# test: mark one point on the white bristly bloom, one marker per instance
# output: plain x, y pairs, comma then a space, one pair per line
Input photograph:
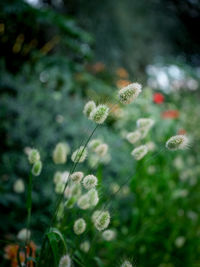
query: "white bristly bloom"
101, 150
99, 114
139, 152
65, 261
93, 197
79, 226
108, 235
60, 153
126, 263
90, 181
133, 137
102, 220
18, 186
88, 108
93, 144
83, 202
177, 142
145, 123
79, 155
76, 177
24, 234
129, 93
85, 246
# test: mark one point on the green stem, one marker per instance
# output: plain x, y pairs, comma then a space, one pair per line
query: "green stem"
29, 207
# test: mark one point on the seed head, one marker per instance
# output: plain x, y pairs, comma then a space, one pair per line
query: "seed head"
108, 235
24, 234
129, 93
93, 144
93, 197
60, 153
33, 155
88, 108
37, 168
139, 152
79, 155
145, 123
18, 186
83, 202
126, 263
90, 181
76, 177
65, 261
101, 150
133, 137
85, 246
79, 226
99, 114
102, 221
177, 142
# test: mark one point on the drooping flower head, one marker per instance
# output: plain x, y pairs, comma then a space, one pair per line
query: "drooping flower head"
37, 168
133, 137
79, 226
33, 155
79, 155
139, 152
90, 181
88, 108
129, 93
99, 114
177, 142
76, 177
65, 261
60, 153
102, 220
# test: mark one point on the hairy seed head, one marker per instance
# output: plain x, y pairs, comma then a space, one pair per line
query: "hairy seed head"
126, 263
79, 155
99, 114
60, 153
33, 155
65, 261
83, 202
37, 168
145, 123
93, 197
85, 246
93, 144
79, 226
108, 235
76, 177
88, 108
129, 93
133, 137
101, 150
90, 181
139, 152
177, 142
102, 221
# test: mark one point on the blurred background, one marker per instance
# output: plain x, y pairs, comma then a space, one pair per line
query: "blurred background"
55, 55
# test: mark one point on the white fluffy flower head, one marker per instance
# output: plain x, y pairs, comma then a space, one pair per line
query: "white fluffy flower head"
108, 235
177, 142
139, 152
33, 155
133, 137
101, 150
99, 114
65, 261
129, 93
76, 177
90, 181
88, 108
79, 155
101, 220
79, 226
126, 263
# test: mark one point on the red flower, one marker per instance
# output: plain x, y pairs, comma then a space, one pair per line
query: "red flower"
170, 114
158, 98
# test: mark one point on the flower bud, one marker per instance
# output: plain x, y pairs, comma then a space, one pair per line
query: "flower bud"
129, 93
37, 168
88, 108
79, 155
99, 114
33, 155
177, 142
65, 261
90, 181
79, 226
133, 137
102, 220
139, 152
76, 177
60, 153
